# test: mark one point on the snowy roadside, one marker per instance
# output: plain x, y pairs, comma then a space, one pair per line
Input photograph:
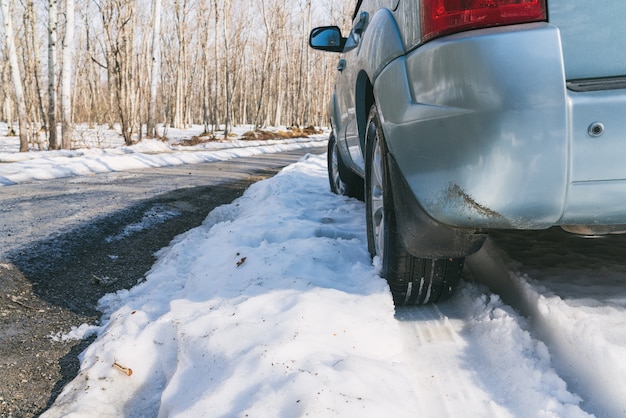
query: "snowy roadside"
18, 167
273, 308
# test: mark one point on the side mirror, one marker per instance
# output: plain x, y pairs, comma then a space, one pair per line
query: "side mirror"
327, 38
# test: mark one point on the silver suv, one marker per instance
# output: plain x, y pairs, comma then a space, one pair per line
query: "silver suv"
452, 118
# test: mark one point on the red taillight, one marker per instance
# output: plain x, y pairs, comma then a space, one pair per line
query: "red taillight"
443, 17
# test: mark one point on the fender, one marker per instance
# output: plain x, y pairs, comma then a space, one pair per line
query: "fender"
381, 43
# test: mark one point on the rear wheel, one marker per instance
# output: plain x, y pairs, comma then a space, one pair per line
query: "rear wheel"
412, 280
342, 180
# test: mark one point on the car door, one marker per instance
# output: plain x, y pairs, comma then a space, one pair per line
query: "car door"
345, 91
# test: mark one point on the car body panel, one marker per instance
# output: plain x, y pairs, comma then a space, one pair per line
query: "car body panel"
479, 137
593, 36
597, 189
407, 16
363, 61
595, 158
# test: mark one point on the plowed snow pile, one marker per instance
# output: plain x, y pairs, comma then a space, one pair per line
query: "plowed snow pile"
272, 308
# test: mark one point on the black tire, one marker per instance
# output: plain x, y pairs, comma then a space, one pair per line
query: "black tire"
412, 280
342, 180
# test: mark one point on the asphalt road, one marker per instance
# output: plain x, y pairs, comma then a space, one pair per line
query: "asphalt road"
65, 243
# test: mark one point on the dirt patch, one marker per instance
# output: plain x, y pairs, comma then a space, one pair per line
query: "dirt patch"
32, 366
456, 194
196, 140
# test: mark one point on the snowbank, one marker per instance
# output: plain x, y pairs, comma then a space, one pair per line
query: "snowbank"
272, 308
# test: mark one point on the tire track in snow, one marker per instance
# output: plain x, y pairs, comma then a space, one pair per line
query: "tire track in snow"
575, 301
477, 359
434, 352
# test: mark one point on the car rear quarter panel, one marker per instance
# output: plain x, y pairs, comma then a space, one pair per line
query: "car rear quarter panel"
477, 125
407, 15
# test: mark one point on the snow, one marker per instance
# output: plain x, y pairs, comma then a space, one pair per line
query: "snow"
273, 308
18, 167
157, 214
577, 307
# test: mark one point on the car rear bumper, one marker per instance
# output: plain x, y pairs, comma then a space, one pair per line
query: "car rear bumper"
486, 134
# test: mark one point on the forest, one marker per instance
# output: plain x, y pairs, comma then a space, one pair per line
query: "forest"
134, 65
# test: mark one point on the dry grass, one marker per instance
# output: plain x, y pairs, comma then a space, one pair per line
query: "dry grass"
293, 132
258, 135
196, 140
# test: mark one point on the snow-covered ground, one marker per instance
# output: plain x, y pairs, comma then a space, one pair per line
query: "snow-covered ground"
272, 308
102, 151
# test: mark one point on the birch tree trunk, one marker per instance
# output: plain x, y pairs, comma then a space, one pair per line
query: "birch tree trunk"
217, 67
259, 121
227, 17
154, 75
7, 102
307, 92
32, 47
204, 63
15, 75
52, 64
66, 76
180, 94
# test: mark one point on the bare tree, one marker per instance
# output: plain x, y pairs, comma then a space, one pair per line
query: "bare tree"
7, 99
216, 49
204, 40
52, 64
66, 76
225, 27
15, 75
119, 23
33, 67
260, 118
154, 74
181, 13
